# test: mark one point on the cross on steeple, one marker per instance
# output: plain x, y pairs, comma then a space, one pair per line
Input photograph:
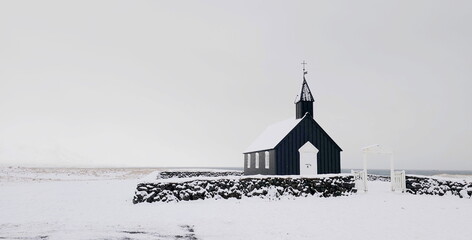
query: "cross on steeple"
304, 71
305, 94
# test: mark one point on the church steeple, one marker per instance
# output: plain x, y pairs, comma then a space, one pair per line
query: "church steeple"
304, 101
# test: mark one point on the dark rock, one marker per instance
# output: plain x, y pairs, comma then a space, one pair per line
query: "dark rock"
432, 186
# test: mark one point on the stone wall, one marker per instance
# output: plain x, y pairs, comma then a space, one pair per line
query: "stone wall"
436, 186
242, 187
372, 177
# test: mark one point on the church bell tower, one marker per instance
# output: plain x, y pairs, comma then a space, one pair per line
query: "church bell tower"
304, 101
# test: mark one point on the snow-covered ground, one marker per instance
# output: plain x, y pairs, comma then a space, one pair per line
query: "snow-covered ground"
96, 204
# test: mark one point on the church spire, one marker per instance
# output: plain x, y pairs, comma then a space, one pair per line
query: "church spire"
304, 101
305, 94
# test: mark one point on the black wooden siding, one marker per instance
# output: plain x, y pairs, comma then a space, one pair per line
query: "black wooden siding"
303, 107
288, 157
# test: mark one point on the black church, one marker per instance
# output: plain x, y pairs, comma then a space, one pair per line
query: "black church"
297, 146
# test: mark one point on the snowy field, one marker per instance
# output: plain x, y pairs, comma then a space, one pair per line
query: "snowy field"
97, 204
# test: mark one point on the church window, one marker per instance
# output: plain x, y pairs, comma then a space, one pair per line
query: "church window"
257, 160
267, 159
249, 160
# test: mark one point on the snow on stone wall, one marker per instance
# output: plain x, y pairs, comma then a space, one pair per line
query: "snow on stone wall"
242, 187
189, 174
436, 186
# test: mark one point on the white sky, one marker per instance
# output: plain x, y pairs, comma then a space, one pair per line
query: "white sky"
193, 83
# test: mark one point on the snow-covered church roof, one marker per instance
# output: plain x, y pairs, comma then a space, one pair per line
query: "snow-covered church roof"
273, 134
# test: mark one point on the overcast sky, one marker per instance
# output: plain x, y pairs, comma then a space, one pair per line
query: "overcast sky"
193, 83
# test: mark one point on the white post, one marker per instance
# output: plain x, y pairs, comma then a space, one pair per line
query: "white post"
365, 171
392, 171
403, 181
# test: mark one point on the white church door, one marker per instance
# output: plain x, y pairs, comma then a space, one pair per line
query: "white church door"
308, 159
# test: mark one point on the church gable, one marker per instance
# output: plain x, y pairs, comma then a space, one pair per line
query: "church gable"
308, 130
319, 128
